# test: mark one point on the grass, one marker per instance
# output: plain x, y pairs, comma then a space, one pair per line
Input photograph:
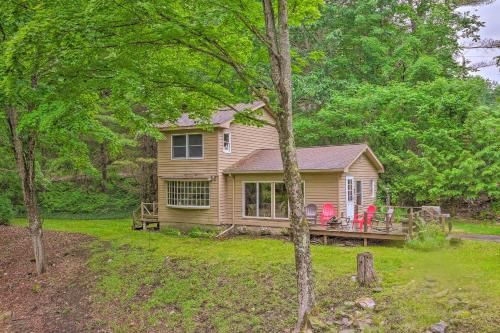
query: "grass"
476, 227
169, 282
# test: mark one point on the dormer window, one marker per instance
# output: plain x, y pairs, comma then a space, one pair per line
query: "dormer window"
227, 143
187, 146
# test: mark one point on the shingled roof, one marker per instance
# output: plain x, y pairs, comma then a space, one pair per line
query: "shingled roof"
327, 158
219, 117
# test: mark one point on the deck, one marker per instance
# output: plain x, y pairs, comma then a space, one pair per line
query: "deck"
389, 223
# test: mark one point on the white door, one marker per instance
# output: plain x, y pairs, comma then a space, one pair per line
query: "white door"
349, 196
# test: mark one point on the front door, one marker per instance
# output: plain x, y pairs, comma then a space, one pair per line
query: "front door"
349, 196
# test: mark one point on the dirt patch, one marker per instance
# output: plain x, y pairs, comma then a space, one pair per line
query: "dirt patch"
478, 237
56, 301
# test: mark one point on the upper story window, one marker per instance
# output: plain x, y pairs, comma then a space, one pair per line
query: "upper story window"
227, 143
187, 146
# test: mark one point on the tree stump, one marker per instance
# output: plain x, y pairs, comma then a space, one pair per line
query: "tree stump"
366, 270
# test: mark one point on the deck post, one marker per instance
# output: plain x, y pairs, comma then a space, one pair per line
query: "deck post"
410, 223
325, 239
365, 227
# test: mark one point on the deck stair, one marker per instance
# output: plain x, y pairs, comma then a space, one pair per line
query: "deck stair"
145, 217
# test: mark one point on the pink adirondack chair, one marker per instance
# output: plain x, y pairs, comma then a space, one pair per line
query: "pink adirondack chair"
327, 212
360, 219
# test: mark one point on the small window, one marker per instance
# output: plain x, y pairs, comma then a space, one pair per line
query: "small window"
188, 194
227, 143
187, 146
373, 185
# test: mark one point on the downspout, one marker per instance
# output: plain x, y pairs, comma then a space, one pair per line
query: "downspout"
232, 197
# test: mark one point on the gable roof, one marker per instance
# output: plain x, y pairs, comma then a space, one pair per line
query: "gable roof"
327, 158
219, 117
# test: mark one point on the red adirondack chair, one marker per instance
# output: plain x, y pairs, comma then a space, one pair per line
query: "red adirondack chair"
360, 219
327, 212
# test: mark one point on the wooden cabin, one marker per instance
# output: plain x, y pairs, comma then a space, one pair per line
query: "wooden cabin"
233, 174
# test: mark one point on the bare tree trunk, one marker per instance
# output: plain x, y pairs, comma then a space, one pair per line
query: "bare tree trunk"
281, 74
24, 151
149, 170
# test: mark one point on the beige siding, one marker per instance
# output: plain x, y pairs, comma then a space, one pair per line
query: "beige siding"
365, 171
205, 167
320, 188
245, 139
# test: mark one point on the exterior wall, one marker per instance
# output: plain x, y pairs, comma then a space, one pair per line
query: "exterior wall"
191, 168
365, 171
320, 188
244, 140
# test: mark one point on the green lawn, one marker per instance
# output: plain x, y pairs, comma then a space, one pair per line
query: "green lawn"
476, 227
159, 282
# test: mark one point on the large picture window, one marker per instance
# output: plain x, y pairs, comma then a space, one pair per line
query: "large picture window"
188, 194
187, 146
266, 199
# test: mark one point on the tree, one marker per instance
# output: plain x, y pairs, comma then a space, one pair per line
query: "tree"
50, 84
196, 55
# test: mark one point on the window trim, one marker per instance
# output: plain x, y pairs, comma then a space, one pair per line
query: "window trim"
273, 199
373, 183
186, 157
362, 201
187, 206
227, 151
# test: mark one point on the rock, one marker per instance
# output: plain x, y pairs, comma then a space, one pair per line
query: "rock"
454, 302
365, 303
349, 304
440, 327
441, 294
346, 322
354, 278
110, 260
378, 289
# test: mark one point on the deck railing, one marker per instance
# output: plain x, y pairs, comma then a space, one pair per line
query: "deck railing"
145, 214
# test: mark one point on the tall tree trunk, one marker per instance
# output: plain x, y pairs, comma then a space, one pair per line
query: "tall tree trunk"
149, 174
24, 151
281, 74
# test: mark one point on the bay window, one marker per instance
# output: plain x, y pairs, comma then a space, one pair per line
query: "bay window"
188, 193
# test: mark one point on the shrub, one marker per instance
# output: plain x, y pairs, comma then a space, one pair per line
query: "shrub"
430, 237
6, 210
198, 232
171, 231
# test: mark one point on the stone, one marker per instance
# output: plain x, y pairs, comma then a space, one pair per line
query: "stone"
454, 302
346, 322
354, 278
440, 327
441, 294
378, 289
365, 303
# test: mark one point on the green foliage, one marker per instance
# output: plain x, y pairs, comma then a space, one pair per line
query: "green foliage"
198, 232
170, 231
6, 210
430, 237
65, 199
